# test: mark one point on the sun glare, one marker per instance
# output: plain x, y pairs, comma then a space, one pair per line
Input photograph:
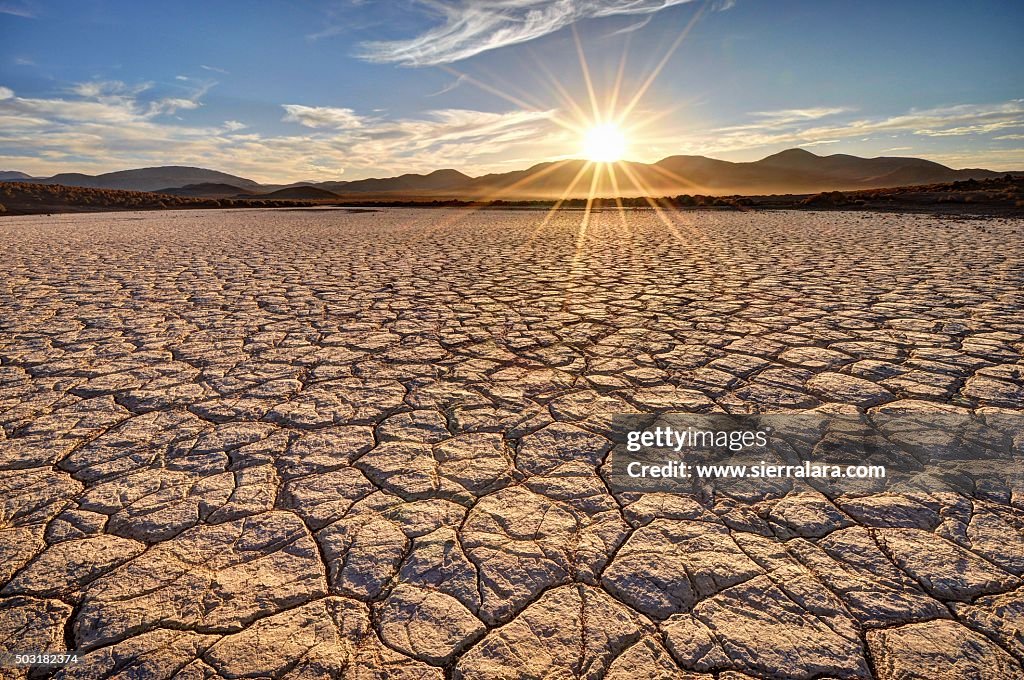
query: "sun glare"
604, 143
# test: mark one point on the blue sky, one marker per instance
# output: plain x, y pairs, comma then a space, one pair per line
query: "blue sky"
302, 90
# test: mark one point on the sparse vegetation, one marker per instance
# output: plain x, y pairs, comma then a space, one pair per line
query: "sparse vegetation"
999, 194
25, 198
1002, 194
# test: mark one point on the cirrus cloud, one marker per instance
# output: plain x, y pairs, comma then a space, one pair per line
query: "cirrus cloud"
471, 27
322, 116
807, 126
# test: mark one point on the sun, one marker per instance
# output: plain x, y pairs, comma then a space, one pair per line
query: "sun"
604, 143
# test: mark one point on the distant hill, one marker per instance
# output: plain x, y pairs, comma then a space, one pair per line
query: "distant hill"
300, 193
794, 171
13, 176
437, 181
207, 190
147, 179
1003, 195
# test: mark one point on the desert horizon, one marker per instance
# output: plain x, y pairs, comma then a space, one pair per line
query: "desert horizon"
791, 171
511, 340
790, 179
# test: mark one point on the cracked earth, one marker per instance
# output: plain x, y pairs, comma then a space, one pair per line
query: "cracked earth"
305, 444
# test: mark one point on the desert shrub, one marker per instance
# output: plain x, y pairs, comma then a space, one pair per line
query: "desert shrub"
826, 198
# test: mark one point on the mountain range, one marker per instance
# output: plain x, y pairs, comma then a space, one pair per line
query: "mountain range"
793, 171
142, 179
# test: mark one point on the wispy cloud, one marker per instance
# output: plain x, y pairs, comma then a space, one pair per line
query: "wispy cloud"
170, 105
977, 129
117, 98
632, 27
214, 69
807, 126
450, 86
992, 159
785, 118
470, 27
103, 132
322, 117
18, 9
795, 115
108, 88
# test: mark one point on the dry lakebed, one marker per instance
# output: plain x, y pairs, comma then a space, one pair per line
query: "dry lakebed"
316, 443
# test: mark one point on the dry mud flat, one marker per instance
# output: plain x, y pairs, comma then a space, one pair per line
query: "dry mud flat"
314, 444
